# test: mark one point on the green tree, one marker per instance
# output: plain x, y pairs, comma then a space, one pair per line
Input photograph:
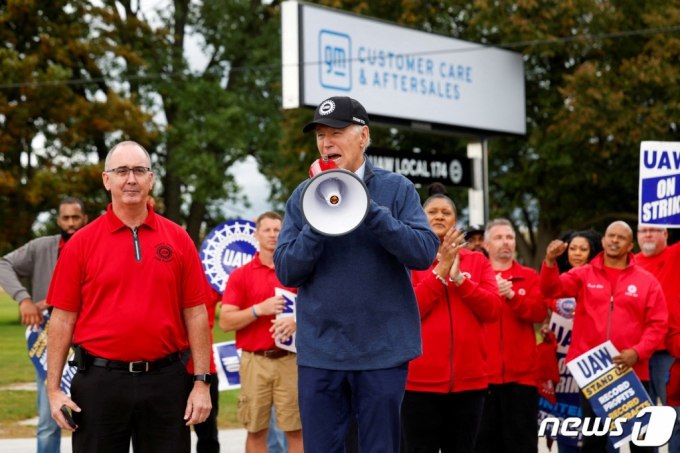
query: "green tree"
52, 92
213, 116
589, 104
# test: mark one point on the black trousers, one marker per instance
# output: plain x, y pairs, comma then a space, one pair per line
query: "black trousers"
598, 444
509, 423
115, 403
206, 432
446, 422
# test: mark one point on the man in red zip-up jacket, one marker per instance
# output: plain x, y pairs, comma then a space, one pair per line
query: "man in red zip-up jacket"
617, 301
511, 405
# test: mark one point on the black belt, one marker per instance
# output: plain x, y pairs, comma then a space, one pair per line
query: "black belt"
272, 353
134, 367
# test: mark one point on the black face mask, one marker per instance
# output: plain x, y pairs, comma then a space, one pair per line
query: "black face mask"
65, 235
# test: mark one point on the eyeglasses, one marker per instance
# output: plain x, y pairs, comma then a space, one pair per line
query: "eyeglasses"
650, 231
123, 172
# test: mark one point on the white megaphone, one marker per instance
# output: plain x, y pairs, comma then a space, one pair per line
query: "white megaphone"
335, 201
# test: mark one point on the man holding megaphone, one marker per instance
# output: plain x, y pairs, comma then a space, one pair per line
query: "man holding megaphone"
357, 315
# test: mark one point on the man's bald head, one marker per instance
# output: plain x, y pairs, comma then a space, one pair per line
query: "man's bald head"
622, 224
107, 161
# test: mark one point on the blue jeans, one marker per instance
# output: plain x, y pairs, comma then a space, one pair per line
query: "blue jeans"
49, 433
659, 364
276, 439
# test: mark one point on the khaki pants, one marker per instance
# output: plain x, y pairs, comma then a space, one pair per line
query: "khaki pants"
264, 382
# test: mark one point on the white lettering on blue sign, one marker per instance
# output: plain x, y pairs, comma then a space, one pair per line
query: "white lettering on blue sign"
659, 170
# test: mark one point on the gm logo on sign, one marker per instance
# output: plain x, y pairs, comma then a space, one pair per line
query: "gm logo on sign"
335, 55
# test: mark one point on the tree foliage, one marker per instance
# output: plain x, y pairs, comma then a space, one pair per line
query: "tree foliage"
589, 103
51, 96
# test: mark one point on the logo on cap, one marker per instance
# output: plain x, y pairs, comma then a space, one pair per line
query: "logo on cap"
326, 107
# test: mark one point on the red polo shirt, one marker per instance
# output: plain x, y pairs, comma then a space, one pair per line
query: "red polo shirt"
249, 285
129, 300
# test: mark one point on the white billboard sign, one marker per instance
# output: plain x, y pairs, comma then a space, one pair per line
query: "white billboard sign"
400, 73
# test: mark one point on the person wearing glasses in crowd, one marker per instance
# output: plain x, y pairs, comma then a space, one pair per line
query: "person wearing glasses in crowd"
457, 296
662, 261
129, 291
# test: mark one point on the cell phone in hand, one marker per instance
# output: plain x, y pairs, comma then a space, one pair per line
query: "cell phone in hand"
67, 416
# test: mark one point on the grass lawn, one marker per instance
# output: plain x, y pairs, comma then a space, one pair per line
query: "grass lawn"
15, 366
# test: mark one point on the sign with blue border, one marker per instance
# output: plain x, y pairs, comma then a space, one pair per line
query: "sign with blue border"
566, 391
613, 394
659, 201
36, 338
229, 245
227, 363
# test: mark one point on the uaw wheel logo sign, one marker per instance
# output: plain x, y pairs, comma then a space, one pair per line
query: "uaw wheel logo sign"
229, 246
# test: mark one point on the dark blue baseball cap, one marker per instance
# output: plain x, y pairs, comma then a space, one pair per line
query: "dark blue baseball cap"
338, 112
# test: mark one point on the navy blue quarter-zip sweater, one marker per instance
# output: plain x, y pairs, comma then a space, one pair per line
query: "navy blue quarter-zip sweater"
356, 309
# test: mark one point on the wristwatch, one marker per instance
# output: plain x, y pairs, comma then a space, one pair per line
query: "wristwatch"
207, 378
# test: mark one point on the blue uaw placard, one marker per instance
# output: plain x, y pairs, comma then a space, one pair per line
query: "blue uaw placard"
36, 338
659, 198
567, 390
288, 311
228, 363
612, 393
229, 245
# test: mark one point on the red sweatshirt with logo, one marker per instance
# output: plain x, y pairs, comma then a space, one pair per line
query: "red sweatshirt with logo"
452, 318
512, 340
631, 311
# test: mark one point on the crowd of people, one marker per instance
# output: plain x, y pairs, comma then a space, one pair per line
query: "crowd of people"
413, 335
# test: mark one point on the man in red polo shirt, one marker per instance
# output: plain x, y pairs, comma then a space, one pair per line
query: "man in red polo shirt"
511, 404
268, 374
129, 290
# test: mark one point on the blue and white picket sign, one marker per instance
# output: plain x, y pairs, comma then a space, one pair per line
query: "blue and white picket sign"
288, 311
36, 338
566, 391
228, 363
612, 393
228, 246
659, 198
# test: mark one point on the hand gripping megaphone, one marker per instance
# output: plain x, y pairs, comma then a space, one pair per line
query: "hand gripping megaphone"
335, 201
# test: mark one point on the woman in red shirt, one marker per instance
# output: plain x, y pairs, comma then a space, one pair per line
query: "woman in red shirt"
445, 389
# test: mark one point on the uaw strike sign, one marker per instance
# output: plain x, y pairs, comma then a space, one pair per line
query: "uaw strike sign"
617, 397
659, 189
229, 246
288, 312
228, 363
566, 391
36, 337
